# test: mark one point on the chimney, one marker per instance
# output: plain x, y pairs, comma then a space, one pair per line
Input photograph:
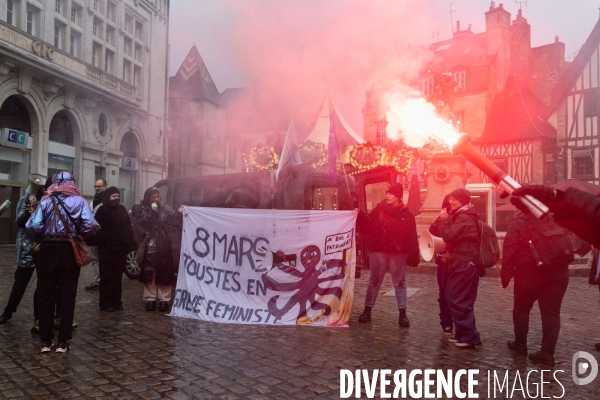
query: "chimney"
460, 33
492, 6
469, 28
556, 39
457, 26
498, 38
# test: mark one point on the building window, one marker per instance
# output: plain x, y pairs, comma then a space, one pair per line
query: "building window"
30, 24
73, 14
138, 30
58, 6
126, 71
583, 164
232, 156
379, 133
99, 173
460, 78
591, 103
10, 6
127, 46
57, 36
95, 5
72, 45
95, 28
427, 86
110, 35
459, 120
137, 76
109, 61
138, 52
128, 23
95, 56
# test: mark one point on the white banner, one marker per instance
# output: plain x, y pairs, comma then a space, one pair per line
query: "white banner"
266, 266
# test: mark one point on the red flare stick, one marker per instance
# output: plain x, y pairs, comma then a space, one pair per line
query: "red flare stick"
501, 178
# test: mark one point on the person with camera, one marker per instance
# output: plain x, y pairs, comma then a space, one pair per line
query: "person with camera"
573, 209
457, 226
114, 242
157, 268
537, 253
391, 237
61, 215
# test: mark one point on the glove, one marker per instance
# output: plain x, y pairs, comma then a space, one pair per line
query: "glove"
154, 206
547, 195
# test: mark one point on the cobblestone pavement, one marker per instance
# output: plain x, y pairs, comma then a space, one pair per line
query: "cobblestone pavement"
138, 354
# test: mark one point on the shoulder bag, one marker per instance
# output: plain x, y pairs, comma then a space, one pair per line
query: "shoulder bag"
80, 248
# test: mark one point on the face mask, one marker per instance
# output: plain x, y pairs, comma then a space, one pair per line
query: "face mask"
115, 202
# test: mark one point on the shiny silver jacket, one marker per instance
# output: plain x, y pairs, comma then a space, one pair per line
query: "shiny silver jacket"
44, 222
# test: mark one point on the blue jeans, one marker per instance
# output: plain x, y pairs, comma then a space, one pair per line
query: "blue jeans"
445, 313
461, 293
379, 265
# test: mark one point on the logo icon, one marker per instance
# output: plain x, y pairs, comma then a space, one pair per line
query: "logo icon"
580, 367
16, 137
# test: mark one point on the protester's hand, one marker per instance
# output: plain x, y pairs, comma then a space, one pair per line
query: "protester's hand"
545, 194
154, 206
180, 210
444, 213
32, 199
356, 210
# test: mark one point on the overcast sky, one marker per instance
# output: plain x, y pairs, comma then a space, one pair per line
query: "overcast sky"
208, 24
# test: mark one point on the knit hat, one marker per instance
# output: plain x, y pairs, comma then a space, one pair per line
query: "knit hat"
396, 190
462, 195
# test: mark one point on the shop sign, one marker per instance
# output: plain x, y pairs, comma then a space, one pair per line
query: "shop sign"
60, 158
129, 164
14, 138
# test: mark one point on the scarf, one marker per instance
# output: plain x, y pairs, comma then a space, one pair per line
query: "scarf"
66, 188
97, 199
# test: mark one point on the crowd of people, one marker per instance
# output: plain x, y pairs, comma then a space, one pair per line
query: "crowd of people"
536, 254
53, 219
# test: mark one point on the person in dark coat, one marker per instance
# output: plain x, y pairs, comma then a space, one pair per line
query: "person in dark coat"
547, 285
391, 238
25, 257
573, 209
458, 228
157, 269
441, 260
115, 240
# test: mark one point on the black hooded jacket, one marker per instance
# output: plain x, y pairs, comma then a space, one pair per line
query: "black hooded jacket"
391, 230
460, 233
116, 231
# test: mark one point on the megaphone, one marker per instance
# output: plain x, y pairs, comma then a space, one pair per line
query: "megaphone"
273, 259
36, 181
430, 245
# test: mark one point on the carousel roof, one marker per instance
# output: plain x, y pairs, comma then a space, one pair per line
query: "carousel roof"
317, 129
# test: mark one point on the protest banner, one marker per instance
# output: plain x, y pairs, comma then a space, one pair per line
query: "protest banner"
280, 267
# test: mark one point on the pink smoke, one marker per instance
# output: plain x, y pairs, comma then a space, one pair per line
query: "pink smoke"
292, 52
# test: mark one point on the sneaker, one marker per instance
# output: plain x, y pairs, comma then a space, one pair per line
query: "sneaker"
463, 345
63, 347
36, 327
517, 347
93, 286
447, 331
46, 347
453, 340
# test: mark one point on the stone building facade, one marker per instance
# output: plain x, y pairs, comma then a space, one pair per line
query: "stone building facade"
84, 82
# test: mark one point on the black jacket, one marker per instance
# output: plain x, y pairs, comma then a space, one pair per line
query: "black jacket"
459, 231
579, 212
391, 230
116, 231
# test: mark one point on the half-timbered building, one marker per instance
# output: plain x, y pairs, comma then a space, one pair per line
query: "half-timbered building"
574, 112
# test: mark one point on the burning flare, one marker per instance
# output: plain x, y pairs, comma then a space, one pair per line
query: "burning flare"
415, 121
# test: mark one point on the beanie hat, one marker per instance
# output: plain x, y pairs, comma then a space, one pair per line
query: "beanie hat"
396, 190
462, 195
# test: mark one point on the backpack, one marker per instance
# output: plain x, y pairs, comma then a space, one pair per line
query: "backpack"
549, 244
489, 251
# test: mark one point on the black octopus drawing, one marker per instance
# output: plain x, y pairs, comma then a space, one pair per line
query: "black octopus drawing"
308, 289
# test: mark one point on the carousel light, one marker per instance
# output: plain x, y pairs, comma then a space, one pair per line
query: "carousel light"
261, 158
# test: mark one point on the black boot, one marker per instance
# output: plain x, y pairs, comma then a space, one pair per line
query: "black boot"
365, 316
150, 305
6, 315
402, 320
